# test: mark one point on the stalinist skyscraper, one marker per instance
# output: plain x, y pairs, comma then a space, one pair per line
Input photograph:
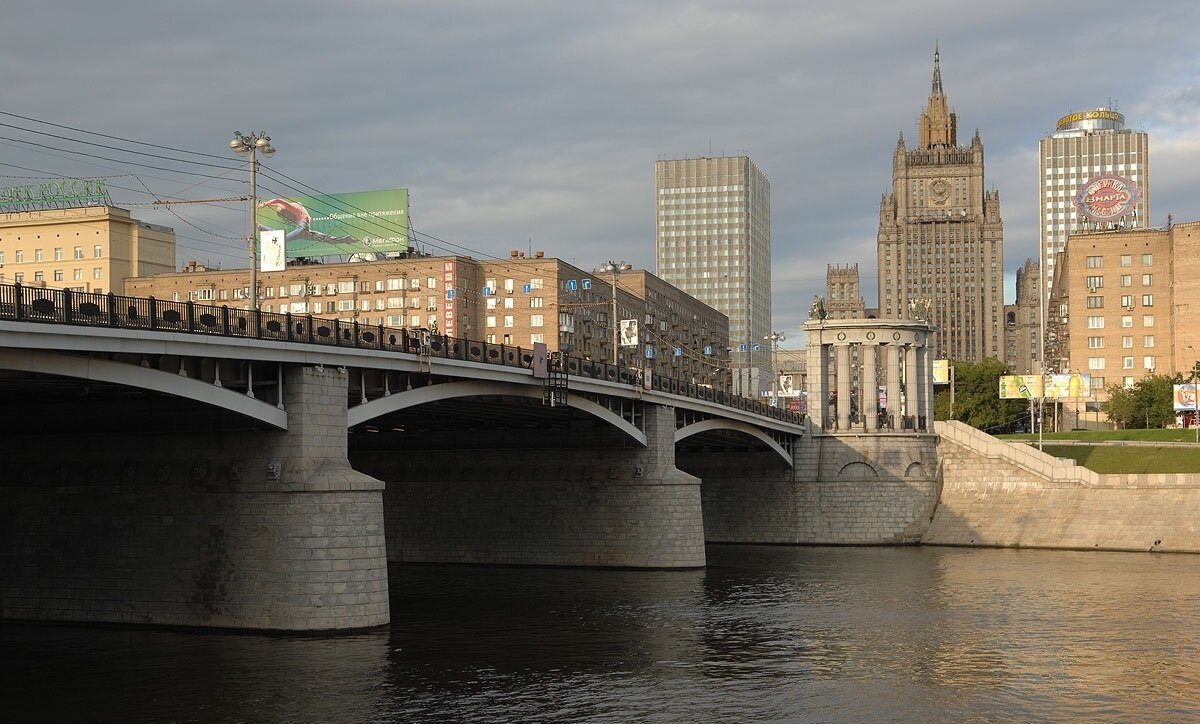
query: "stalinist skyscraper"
941, 240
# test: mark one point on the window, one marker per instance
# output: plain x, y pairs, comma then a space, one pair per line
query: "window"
491, 303
1127, 301
1147, 280
1096, 282
1095, 343
431, 321
1128, 382
395, 303
1126, 260
1097, 383
1095, 322
415, 285
1127, 342
1, 257
79, 252
507, 339
19, 277
58, 253
431, 302
1095, 262
97, 251
1147, 260
1147, 300
536, 283
58, 275
1126, 363
491, 339
37, 255
430, 283
414, 302
39, 276
1095, 363
343, 287
20, 256
508, 320
508, 286
345, 305
536, 320
1148, 340
537, 337
98, 271
1148, 363
394, 284
365, 306
1147, 320
534, 302
1127, 320
1095, 302
508, 302
490, 321
489, 286
1127, 280
415, 320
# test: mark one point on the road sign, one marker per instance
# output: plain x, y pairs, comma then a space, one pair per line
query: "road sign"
572, 285
587, 284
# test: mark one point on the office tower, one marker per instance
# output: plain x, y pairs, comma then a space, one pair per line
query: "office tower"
941, 239
843, 295
1094, 175
713, 239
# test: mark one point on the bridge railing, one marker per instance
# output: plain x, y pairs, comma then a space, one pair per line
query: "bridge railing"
64, 306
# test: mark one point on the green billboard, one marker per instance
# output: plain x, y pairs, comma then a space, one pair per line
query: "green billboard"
353, 223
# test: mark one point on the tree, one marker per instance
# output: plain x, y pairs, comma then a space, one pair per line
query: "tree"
1150, 403
977, 397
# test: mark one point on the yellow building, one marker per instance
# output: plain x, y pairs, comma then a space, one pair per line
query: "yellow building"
519, 301
1125, 304
88, 249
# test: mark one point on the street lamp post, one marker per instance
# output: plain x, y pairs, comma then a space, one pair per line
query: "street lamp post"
252, 144
615, 268
1195, 393
774, 338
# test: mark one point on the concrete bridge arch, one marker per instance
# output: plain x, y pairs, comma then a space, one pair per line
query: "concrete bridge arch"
734, 426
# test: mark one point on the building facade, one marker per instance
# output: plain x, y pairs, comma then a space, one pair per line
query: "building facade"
941, 238
713, 241
1022, 323
519, 301
1089, 149
843, 292
1124, 305
85, 249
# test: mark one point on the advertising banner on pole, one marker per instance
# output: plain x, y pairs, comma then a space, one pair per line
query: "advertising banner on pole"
1185, 398
338, 224
629, 333
273, 251
1057, 386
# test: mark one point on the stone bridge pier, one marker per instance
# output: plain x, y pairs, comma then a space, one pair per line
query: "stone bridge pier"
257, 528
574, 497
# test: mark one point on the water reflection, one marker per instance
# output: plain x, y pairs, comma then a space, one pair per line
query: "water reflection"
763, 633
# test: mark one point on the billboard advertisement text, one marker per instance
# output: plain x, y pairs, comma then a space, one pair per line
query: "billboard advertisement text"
338, 224
1057, 386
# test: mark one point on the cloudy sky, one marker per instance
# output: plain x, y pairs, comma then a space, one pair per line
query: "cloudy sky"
537, 123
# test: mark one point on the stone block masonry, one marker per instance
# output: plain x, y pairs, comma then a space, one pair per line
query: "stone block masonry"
997, 493
878, 489
262, 530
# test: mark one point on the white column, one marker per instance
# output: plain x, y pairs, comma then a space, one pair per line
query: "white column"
870, 390
910, 382
843, 386
818, 379
893, 384
922, 354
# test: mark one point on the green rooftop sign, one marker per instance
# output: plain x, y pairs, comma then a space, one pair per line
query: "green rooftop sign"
63, 193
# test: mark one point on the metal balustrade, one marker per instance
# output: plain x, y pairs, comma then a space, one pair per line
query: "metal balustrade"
63, 306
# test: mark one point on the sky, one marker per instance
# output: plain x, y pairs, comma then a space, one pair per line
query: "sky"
530, 124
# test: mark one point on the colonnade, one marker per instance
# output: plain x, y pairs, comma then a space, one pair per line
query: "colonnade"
847, 358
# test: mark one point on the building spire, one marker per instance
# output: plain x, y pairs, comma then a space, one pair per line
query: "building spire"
937, 70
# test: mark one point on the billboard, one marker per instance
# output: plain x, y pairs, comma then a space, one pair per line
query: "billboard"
629, 333
1107, 197
273, 249
1185, 398
787, 386
337, 224
1057, 386
941, 372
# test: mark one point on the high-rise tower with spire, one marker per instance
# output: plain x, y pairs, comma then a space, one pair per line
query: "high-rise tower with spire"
941, 239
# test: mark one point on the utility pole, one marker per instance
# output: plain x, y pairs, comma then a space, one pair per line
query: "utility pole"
251, 144
615, 268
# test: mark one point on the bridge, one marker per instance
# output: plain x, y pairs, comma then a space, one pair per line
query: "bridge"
181, 464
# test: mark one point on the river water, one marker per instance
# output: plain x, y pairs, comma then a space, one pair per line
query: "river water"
762, 634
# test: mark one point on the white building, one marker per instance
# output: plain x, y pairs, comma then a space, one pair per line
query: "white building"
1089, 150
713, 241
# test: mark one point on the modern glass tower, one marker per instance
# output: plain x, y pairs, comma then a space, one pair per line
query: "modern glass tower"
713, 240
1094, 176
